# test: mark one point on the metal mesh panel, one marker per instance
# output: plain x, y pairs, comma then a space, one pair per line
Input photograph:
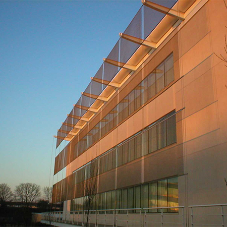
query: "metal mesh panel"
89, 101
166, 3
127, 49
135, 27
151, 20
110, 70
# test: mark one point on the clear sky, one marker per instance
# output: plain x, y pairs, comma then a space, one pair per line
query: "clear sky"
48, 52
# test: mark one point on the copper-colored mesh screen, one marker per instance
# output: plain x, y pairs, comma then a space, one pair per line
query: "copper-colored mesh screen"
128, 48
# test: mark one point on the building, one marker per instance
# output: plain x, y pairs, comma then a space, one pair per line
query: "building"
150, 130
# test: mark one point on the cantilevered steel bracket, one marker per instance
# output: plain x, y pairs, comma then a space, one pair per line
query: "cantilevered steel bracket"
77, 117
119, 64
108, 83
138, 40
94, 96
86, 108
164, 9
63, 138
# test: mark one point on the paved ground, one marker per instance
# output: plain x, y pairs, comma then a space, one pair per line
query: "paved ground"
59, 224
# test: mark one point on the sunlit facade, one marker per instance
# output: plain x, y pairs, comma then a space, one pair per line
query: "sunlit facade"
150, 130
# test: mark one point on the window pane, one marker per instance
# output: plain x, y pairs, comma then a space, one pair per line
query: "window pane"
138, 146
169, 70
151, 86
125, 153
162, 194
160, 77
153, 196
119, 156
152, 139
130, 198
124, 198
161, 133
113, 200
131, 150
144, 196
108, 200
131, 98
171, 130
173, 194
137, 197
137, 97
118, 199
145, 142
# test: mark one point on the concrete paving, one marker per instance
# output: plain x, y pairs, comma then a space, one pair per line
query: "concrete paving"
59, 224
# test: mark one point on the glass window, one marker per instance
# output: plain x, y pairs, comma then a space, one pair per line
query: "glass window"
145, 142
162, 195
151, 86
125, 153
119, 155
131, 98
138, 146
171, 130
161, 134
152, 139
159, 77
153, 196
137, 97
131, 150
124, 198
108, 200
169, 70
137, 197
118, 199
144, 196
131, 198
173, 194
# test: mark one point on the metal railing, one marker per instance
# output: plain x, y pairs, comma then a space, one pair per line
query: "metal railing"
160, 216
208, 215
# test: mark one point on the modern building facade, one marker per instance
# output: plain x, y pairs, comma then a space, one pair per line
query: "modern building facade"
150, 130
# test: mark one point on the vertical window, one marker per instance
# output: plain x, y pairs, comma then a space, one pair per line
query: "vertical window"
151, 91
119, 155
153, 196
144, 196
152, 139
145, 142
131, 198
171, 130
162, 194
173, 194
161, 133
160, 77
118, 199
124, 198
131, 150
137, 97
169, 70
137, 197
131, 98
138, 146
125, 153
108, 200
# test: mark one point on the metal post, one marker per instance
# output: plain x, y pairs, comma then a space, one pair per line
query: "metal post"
192, 217
116, 218
162, 217
222, 214
182, 216
127, 218
145, 218
105, 218
96, 218
113, 218
141, 222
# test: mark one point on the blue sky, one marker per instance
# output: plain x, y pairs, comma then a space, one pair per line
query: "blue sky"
48, 52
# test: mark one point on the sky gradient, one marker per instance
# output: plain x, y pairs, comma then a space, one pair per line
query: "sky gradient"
48, 52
